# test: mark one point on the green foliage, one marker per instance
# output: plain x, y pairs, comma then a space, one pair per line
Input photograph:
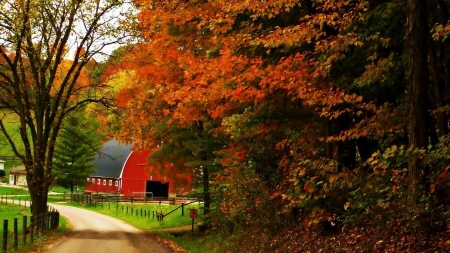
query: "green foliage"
79, 141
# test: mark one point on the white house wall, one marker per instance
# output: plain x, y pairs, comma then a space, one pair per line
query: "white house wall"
20, 181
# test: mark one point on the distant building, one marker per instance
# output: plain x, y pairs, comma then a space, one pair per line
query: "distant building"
123, 171
2, 168
18, 176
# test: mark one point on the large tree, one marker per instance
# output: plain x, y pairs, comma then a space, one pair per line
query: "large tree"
75, 147
44, 46
313, 98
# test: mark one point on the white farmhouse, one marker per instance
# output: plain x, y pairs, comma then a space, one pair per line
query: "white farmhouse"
18, 176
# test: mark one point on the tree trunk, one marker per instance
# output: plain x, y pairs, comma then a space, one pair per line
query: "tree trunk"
418, 89
38, 188
206, 192
438, 91
205, 171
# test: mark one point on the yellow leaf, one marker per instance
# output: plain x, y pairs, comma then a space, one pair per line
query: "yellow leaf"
346, 205
303, 195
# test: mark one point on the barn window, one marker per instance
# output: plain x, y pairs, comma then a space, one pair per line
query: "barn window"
116, 183
110, 182
99, 181
93, 180
104, 181
88, 179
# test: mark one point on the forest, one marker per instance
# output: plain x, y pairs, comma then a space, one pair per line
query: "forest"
309, 126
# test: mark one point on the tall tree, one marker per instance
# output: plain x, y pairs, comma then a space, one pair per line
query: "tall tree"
418, 31
76, 145
36, 39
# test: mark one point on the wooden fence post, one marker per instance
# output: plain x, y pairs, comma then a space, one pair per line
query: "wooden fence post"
5, 236
56, 219
24, 229
31, 228
16, 239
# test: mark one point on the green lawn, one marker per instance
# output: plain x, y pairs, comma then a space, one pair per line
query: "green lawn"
144, 222
4, 190
10, 212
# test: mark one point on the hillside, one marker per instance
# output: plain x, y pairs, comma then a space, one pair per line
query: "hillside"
11, 124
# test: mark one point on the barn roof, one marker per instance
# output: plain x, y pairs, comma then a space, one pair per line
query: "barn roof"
111, 159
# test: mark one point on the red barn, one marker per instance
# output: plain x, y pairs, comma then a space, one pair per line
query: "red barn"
121, 170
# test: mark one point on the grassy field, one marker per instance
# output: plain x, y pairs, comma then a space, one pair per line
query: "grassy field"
144, 222
12, 211
12, 191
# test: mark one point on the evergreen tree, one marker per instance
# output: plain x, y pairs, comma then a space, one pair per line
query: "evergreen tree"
74, 150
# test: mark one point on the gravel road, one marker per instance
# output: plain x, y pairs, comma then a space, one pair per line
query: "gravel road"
94, 232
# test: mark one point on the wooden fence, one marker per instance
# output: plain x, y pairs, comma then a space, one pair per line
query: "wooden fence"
141, 211
33, 227
9, 158
91, 198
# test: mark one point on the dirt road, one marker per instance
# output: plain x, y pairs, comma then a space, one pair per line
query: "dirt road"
94, 232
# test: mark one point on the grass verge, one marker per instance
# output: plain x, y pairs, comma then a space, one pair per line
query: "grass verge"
10, 212
144, 216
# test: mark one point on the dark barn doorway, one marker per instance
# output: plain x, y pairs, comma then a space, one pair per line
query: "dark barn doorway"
159, 189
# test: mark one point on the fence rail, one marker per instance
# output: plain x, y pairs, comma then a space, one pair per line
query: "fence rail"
92, 197
9, 158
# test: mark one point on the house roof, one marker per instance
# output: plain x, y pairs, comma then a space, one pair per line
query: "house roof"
111, 159
18, 170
